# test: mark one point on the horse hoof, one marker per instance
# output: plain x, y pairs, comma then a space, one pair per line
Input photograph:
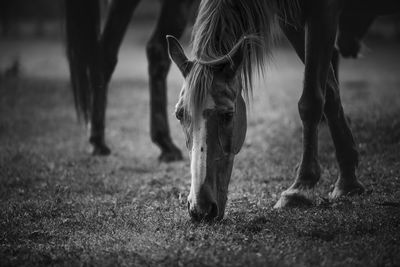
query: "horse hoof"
349, 190
101, 150
294, 198
170, 156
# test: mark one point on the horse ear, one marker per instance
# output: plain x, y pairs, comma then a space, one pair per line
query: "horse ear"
178, 56
240, 126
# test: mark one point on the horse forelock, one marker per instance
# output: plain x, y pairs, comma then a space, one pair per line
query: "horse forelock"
219, 26
198, 84
201, 83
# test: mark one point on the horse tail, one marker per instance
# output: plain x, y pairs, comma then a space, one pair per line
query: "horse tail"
82, 33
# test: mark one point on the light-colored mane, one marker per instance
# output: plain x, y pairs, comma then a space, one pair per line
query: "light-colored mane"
219, 26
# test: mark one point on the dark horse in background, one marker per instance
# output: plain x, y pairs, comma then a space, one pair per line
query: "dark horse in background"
93, 54
230, 41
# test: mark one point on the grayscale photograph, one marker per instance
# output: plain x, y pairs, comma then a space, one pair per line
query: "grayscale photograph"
200, 133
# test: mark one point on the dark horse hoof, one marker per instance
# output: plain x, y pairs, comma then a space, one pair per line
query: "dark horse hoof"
170, 156
100, 149
347, 189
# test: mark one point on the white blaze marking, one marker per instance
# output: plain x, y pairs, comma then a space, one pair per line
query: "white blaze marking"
198, 164
198, 158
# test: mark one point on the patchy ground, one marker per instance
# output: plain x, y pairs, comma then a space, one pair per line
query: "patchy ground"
60, 206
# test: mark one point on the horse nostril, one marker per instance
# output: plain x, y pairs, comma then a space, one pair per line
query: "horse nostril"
195, 215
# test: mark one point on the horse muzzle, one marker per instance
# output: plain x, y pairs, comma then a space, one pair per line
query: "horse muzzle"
206, 213
202, 206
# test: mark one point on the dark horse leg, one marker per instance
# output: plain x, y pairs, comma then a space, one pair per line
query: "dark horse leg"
318, 98
99, 94
82, 29
92, 59
346, 151
172, 20
109, 42
335, 64
114, 30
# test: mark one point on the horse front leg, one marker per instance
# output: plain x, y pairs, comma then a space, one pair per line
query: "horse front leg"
320, 32
335, 61
172, 20
346, 152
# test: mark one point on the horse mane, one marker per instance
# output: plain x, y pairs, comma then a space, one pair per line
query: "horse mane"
219, 26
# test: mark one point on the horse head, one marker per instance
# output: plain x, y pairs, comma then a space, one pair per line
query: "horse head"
212, 112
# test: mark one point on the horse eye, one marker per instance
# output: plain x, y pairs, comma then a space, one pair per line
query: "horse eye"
179, 113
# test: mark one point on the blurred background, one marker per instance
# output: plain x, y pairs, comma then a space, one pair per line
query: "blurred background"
43, 21
44, 18
26, 25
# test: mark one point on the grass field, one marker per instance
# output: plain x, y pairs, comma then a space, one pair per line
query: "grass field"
60, 206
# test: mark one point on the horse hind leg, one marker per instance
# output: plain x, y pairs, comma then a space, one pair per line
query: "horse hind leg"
82, 29
97, 120
103, 65
97, 83
172, 20
118, 18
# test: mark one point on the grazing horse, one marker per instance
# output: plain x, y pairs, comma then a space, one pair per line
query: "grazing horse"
230, 41
92, 54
